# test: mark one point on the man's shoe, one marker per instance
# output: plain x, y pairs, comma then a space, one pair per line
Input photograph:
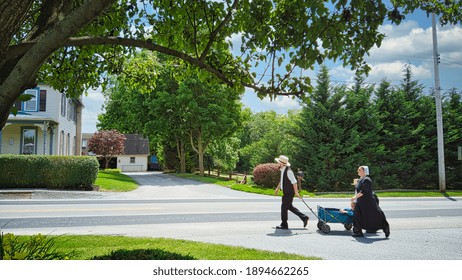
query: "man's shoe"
305, 221
387, 231
358, 234
281, 227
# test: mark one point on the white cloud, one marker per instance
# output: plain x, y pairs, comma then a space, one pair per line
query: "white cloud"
410, 44
394, 72
93, 103
280, 104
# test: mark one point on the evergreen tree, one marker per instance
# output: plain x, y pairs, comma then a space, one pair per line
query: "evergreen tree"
362, 126
408, 135
452, 122
320, 138
389, 104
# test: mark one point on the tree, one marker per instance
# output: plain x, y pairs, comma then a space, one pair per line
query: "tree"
263, 137
362, 144
73, 45
321, 137
212, 113
108, 144
408, 135
224, 153
453, 137
179, 106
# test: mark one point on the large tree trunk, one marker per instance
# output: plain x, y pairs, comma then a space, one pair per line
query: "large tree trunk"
199, 149
200, 153
12, 15
19, 73
181, 155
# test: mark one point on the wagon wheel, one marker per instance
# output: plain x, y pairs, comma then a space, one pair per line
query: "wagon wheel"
320, 224
348, 226
325, 229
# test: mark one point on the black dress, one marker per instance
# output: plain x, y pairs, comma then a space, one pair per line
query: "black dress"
367, 213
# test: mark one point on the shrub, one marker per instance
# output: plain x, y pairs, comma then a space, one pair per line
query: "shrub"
41, 171
36, 247
113, 170
142, 254
266, 175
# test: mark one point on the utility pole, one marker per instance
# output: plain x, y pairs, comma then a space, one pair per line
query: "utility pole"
439, 110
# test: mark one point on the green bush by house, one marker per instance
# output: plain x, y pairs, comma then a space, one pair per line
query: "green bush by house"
41, 171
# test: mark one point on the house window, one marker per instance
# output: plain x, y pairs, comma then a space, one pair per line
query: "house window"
132, 159
31, 105
63, 104
69, 109
43, 100
61, 146
68, 142
29, 136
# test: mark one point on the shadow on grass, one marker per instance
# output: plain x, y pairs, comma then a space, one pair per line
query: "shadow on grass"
143, 254
448, 197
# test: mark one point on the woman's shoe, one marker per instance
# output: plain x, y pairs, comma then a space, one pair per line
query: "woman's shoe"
358, 234
387, 232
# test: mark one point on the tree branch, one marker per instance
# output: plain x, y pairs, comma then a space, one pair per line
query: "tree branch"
19, 50
214, 34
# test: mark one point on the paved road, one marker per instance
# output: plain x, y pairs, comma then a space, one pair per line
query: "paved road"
167, 206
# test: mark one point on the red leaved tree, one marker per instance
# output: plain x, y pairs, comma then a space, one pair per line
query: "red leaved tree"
108, 144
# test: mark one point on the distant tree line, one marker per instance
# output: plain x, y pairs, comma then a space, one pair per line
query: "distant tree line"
195, 123
392, 129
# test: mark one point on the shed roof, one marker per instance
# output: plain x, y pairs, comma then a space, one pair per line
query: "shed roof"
136, 144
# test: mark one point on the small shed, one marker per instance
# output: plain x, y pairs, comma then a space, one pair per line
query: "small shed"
136, 154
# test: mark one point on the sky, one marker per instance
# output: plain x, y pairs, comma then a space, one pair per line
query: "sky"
408, 43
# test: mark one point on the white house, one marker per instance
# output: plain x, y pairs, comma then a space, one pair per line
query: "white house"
136, 154
48, 124
135, 157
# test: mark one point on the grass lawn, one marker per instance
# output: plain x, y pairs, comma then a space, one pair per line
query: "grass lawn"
110, 181
85, 247
260, 190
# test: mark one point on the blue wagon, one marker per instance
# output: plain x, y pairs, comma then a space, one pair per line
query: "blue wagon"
334, 215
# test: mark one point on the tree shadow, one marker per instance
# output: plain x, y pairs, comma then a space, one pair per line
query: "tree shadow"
448, 197
143, 254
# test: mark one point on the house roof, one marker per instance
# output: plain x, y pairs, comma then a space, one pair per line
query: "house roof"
86, 136
135, 144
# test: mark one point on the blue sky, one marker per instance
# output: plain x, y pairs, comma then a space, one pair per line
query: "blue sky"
409, 43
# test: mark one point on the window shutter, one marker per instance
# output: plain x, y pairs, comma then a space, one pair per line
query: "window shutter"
43, 100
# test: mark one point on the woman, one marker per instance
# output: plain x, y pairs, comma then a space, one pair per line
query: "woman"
367, 214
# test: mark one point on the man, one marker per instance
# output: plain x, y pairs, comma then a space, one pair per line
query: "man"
289, 186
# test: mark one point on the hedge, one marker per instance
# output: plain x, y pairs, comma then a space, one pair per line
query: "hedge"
267, 175
41, 171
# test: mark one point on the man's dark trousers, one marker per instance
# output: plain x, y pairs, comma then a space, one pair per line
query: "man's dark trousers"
287, 200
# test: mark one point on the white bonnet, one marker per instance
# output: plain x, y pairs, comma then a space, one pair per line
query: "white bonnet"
365, 168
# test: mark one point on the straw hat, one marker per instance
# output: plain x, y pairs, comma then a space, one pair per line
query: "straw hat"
283, 159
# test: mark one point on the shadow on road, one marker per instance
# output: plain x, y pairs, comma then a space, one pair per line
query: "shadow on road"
288, 232
448, 197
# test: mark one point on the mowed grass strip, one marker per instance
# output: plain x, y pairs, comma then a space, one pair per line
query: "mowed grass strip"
109, 181
269, 191
86, 247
